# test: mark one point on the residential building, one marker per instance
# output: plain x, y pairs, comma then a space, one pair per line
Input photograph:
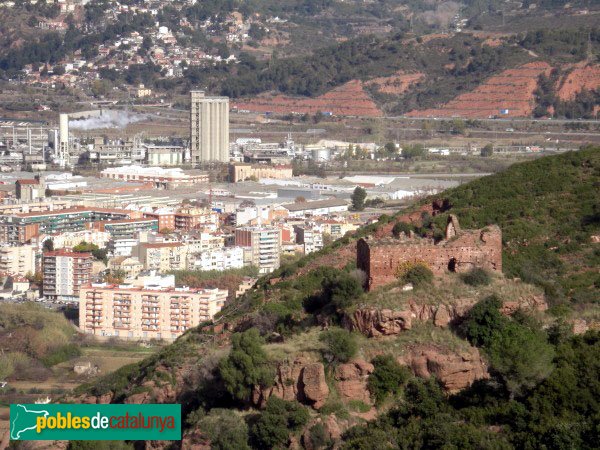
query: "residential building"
242, 172
222, 259
69, 239
128, 228
336, 228
209, 128
201, 242
246, 284
64, 273
140, 91
309, 237
22, 227
17, 260
131, 267
162, 257
134, 312
165, 218
122, 246
192, 218
264, 245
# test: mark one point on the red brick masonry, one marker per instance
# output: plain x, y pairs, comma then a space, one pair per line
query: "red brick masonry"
460, 251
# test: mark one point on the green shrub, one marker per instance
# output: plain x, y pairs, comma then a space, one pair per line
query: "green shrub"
477, 277
388, 377
246, 366
6, 367
483, 321
342, 291
518, 352
402, 227
277, 421
61, 354
340, 344
225, 429
417, 274
359, 406
318, 437
521, 356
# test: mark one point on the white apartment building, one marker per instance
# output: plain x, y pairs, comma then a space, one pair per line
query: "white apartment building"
70, 239
201, 242
222, 259
64, 274
162, 257
17, 260
135, 312
122, 246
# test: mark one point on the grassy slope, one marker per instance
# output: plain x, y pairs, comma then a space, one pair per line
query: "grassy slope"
548, 210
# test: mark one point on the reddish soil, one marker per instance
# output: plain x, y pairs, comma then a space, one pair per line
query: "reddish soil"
583, 76
493, 42
512, 90
396, 84
350, 99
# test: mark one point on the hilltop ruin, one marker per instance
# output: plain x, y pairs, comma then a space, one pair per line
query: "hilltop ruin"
459, 251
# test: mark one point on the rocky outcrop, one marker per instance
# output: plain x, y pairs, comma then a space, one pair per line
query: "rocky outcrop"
299, 380
351, 380
531, 303
373, 322
92, 399
378, 322
456, 370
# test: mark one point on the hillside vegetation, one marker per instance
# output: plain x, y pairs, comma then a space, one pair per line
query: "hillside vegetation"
549, 213
286, 363
32, 340
453, 64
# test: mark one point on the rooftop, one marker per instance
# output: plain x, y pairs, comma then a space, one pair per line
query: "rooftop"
68, 253
329, 203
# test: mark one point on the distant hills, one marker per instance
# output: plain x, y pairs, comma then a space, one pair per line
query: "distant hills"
470, 75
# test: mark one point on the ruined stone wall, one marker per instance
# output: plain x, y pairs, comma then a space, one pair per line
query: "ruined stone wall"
477, 248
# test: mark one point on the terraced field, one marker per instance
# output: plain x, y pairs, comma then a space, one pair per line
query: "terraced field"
350, 99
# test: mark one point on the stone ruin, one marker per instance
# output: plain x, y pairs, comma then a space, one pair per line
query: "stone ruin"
459, 251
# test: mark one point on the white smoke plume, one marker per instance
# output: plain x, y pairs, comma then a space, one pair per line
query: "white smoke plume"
108, 119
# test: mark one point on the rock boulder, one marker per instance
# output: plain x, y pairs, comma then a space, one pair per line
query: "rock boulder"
300, 380
456, 370
351, 380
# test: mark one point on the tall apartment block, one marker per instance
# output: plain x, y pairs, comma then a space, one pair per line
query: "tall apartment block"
133, 312
264, 245
209, 128
17, 260
64, 274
